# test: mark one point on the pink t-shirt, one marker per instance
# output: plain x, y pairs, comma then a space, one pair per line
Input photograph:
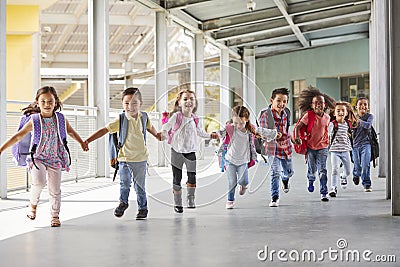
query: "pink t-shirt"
319, 134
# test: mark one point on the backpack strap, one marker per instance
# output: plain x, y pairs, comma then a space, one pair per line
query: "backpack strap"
62, 132
229, 133
287, 119
144, 119
123, 129
335, 129
37, 135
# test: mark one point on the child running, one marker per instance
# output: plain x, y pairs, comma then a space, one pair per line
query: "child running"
241, 152
182, 130
282, 166
51, 156
362, 145
340, 133
133, 155
314, 104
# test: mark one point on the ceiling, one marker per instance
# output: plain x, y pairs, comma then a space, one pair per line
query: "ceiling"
272, 27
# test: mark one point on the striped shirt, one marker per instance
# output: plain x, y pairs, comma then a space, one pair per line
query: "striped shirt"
341, 142
282, 147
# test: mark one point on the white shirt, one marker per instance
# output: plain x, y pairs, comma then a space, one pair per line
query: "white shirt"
239, 148
185, 138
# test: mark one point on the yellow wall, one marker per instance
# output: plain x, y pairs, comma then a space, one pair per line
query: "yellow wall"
22, 23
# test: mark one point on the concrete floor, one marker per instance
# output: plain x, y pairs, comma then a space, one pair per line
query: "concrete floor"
354, 223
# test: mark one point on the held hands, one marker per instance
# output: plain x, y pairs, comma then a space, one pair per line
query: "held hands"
297, 141
214, 135
85, 145
278, 135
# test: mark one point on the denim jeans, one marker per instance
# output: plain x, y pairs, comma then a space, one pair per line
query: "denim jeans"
237, 174
336, 159
362, 158
316, 161
280, 168
136, 172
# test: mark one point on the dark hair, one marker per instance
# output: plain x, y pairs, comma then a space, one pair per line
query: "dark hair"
34, 108
178, 98
280, 91
362, 98
306, 97
132, 91
243, 112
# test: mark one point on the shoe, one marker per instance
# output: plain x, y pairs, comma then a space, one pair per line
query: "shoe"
356, 180
142, 214
343, 183
55, 222
178, 209
32, 212
285, 186
310, 186
119, 211
242, 189
333, 192
324, 198
368, 188
274, 202
229, 205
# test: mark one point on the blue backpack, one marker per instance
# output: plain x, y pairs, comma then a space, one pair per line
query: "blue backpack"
117, 142
28, 144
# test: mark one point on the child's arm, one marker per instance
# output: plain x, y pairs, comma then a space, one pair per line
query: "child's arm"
17, 136
71, 132
267, 134
154, 132
167, 126
96, 135
297, 139
366, 124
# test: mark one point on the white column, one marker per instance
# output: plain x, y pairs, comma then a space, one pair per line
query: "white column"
98, 63
161, 72
249, 79
3, 97
394, 122
197, 81
225, 94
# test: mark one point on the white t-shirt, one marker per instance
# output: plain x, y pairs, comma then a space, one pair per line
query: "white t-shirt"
341, 143
239, 148
185, 138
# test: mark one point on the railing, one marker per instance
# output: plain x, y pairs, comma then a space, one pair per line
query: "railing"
83, 120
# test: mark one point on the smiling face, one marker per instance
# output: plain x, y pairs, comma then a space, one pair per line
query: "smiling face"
279, 103
131, 104
318, 104
239, 123
187, 102
47, 104
340, 113
362, 107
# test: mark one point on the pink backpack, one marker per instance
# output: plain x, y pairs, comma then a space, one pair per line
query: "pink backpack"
178, 122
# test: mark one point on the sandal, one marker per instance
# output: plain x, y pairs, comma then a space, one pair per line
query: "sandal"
32, 213
55, 222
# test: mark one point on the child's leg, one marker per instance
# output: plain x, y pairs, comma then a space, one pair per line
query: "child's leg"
287, 168
54, 185
243, 174
346, 160
190, 161
177, 164
276, 173
322, 156
335, 161
357, 162
38, 182
125, 176
311, 164
231, 170
365, 164
139, 178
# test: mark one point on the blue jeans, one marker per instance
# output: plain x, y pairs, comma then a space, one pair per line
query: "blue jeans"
336, 158
362, 159
280, 168
136, 172
236, 175
316, 161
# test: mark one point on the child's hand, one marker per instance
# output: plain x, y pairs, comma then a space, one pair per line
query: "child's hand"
159, 136
278, 135
297, 141
214, 135
163, 136
85, 146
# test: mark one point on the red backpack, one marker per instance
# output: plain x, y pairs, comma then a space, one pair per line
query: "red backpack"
304, 133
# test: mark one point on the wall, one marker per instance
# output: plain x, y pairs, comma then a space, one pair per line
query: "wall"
312, 65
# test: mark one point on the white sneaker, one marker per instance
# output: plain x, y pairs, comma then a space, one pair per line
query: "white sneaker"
242, 189
274, 203
229, 205
343, 183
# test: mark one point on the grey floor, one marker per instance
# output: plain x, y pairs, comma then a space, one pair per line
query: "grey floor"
252, 234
